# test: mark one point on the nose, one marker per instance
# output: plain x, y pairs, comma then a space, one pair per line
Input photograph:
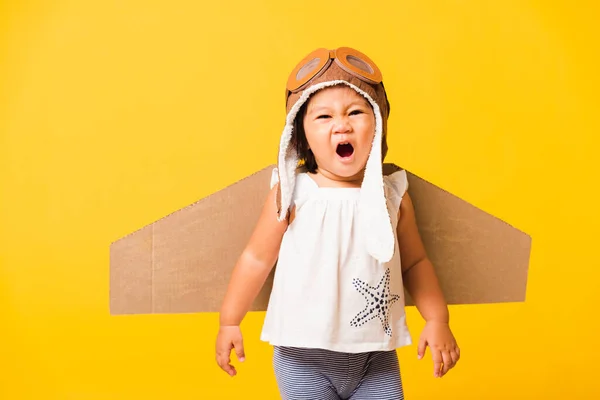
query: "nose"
341, 125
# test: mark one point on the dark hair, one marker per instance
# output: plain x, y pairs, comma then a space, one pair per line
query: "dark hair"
306, 156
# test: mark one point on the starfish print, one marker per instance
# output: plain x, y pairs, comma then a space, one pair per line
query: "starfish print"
379, 301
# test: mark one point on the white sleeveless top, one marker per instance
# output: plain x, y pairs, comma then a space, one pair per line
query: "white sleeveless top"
328, 291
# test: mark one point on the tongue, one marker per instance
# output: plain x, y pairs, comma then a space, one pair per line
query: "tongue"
345, 150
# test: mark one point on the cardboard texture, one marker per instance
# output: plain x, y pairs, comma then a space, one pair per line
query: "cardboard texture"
182, 263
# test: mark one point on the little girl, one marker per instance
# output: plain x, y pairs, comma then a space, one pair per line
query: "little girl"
346, 244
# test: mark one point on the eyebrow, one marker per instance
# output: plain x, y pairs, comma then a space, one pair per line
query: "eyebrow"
323, 108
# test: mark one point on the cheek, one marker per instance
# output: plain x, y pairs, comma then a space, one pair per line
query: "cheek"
367, 131
314, 136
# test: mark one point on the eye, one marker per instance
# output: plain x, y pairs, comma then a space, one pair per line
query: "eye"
356, 112
323, 116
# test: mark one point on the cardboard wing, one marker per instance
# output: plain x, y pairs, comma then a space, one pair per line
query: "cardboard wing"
182, 263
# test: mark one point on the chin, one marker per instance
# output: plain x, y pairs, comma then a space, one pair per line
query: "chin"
348, 170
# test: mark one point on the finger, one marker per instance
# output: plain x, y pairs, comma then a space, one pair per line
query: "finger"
448, 363
238, 344
225, 363
437, 362
224, 359
455, 357
421, 348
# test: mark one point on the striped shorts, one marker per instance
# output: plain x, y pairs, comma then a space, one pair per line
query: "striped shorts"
318, 374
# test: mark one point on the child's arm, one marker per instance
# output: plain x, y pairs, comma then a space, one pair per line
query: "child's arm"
254, 264
249, 275
422, 284
419, 276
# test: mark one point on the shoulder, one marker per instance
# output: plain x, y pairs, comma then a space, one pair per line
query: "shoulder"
406, 206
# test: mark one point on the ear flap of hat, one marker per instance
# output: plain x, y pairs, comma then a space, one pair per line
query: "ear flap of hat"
373, 211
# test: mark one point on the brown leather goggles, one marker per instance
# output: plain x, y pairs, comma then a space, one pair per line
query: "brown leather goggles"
316, 63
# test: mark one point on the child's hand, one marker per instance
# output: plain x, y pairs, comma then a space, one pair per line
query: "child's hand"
443, 347
229, 337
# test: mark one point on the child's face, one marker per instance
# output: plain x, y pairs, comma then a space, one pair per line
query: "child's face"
339, 126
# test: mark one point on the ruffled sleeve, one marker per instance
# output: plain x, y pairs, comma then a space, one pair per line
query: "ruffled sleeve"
396, 184
274, 177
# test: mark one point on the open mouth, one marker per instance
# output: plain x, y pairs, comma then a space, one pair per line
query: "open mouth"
344, 150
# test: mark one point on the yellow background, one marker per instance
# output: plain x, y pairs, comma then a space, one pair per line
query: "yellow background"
115, 113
